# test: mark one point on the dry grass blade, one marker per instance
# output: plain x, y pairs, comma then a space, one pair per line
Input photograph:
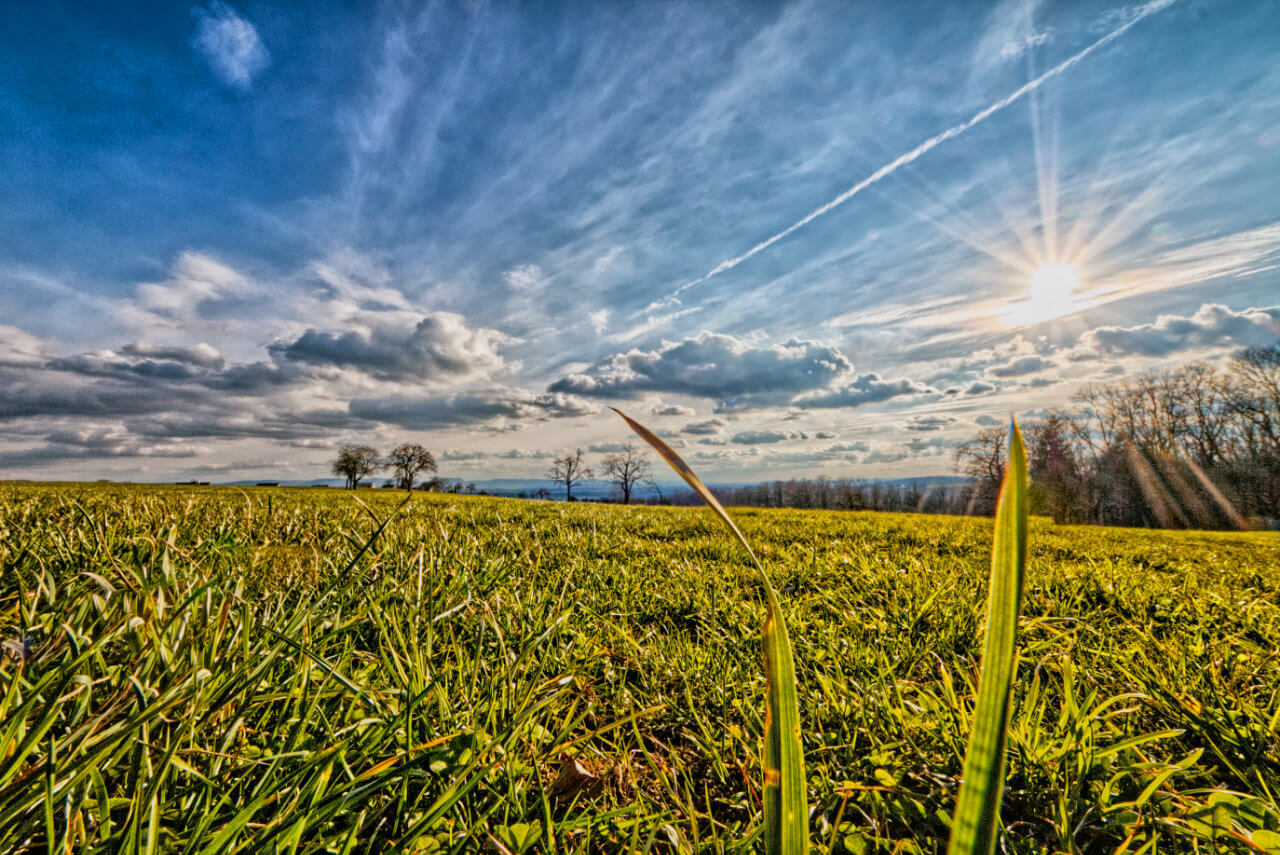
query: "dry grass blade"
786, 823
974, 828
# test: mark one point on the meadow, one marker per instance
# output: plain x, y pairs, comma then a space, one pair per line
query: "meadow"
291, 670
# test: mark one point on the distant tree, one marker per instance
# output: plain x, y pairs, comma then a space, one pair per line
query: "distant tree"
1056, 477
408, 460
627, 468
569, 471
541, 493
1256, 396
982, 458
355, 462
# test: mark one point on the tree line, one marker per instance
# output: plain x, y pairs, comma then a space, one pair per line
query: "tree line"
1197, 446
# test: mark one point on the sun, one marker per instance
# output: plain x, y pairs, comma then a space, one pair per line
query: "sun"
1053, 290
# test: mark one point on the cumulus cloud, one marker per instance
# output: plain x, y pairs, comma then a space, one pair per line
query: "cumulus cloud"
930, 447
202, 355
1020, 366
972, 389
1212, 325
64, 446
458, 455
711, 365
881, 455
165, 393
498, 408
524, 454
18, 347
930, 423
661, 409
724, 455
440, 347
865, 389
704, 427
230, 44
764, 437
196, 280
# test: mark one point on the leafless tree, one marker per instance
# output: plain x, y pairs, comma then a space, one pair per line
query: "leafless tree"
1257, 395
627, 468
569, 471
408, 460
355, 462
982, 458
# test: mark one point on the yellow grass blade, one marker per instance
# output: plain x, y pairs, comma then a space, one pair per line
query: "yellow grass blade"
974, 830
786, 808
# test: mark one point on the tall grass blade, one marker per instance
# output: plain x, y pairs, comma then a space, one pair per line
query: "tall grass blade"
973, 831
786, 809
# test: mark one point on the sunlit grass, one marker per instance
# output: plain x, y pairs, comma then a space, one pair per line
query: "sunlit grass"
292, 683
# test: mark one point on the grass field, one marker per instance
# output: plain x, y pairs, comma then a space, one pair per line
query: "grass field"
218, 670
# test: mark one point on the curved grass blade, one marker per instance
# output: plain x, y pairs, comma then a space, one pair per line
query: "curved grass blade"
786, 809
973, 832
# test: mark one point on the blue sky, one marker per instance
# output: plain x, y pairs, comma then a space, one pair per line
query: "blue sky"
796, 238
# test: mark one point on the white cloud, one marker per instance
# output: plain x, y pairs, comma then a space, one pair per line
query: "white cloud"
230, 44
202, 355
1212, 325
930, 423
599, 320
865, 389
524, 277
20, 347
711, 365
764, 437
1010, 32
196, 281
710, 426
660, 408
441, 346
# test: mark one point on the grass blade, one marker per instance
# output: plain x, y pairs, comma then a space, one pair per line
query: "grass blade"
786, 809
974, 830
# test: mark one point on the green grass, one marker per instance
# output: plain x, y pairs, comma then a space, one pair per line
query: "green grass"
284, 682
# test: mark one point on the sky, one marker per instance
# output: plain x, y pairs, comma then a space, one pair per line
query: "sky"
794, 239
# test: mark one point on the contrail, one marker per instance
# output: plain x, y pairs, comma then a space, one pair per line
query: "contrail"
925, 147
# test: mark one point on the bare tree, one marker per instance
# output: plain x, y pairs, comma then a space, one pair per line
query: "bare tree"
408, 460
982, 458
570, 471
627, 468
355, 462
1257, 395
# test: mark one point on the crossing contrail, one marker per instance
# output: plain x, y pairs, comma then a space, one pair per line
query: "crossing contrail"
925, 147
